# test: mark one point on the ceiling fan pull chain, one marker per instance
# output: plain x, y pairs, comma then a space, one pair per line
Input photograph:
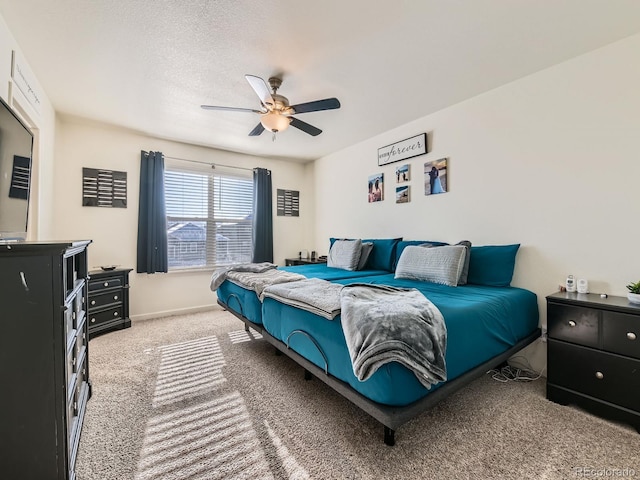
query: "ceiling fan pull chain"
273, 139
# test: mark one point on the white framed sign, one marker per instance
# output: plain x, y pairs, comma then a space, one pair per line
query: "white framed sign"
408, 148
24, 79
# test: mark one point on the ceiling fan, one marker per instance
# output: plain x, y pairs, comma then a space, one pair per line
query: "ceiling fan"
275, 112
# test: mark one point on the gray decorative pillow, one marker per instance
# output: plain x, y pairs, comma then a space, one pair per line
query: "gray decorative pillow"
467, 256
434, 264
364, 254
345, 254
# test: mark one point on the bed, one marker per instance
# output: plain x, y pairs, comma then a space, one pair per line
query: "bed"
486, 324
381, 259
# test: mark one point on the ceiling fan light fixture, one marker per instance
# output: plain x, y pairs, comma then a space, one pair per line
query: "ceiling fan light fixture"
274, 121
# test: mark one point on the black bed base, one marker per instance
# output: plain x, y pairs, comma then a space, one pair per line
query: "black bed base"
390, 417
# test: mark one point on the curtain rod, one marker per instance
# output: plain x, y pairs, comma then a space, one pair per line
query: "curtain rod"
214, 165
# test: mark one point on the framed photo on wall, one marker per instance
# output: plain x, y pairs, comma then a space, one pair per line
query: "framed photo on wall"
403, 173
436, 177
376, 188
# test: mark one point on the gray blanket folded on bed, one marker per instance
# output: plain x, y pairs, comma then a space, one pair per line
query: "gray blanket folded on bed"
261, 280
313, 294
220, 275
385, 324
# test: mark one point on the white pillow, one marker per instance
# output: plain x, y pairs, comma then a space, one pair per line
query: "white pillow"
345, 254
434, 264
364, 254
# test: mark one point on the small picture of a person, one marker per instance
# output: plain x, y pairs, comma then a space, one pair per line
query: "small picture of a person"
376, 188
436, 171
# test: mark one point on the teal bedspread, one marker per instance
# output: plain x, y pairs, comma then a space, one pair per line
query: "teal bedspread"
481, 321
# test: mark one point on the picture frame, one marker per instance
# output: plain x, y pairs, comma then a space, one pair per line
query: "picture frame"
436, 178
402, 150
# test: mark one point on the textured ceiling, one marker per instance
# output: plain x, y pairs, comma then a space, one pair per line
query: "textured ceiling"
148, 65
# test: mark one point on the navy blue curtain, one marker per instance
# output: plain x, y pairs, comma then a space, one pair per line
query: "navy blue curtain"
262, 216
152, 218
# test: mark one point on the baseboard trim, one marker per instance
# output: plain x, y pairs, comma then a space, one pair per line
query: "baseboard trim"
178, 311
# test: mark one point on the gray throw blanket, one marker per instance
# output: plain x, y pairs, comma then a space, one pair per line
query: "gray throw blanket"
313, 295
220, 275
385, 324
261, 280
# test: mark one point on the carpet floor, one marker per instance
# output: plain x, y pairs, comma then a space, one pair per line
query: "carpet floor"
196, 397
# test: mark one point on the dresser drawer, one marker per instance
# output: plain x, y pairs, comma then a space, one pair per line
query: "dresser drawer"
96, 318
601, 375
102, 283
98, 300
573, 324
621, 333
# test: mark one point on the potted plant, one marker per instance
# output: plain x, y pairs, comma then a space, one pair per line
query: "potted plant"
634, 292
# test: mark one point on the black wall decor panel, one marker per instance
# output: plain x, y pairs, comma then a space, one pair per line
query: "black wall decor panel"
288, 203
104, 188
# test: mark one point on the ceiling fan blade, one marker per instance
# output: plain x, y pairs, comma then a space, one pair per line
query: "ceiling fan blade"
230, 109
256, 131
305, 127
262, 90
326, 104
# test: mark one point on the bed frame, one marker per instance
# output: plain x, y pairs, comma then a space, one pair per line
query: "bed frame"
390, 417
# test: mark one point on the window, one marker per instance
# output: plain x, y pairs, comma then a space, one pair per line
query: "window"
209, 218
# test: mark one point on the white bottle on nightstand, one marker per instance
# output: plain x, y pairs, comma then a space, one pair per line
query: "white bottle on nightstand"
570, 284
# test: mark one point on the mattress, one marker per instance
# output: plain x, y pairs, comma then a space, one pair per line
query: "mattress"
246, 302
482, 322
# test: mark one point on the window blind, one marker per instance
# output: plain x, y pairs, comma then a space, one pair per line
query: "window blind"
209, 218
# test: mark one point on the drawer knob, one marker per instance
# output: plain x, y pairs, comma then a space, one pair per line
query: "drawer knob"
572, 323
631, 336
106, 284
93, 320
115, 297
599, 375
115, 314
93, 302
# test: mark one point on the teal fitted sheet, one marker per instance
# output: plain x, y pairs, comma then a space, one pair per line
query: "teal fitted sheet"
481, 321
320, 270
246, 302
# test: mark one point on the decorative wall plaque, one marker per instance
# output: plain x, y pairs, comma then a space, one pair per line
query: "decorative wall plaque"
288, 203
20, 175
104, 188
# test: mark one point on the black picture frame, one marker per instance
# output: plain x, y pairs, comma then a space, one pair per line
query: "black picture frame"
408, 148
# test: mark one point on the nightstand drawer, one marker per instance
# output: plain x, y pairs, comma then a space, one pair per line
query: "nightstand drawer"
601, 375
573, 324
621, 333
98, 300
96, 318
108, 282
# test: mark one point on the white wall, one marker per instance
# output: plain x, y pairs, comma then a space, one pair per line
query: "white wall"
114, 230
549, 161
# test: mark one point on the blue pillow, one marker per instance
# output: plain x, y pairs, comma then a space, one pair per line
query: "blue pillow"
383, 254
492, 265
405, 243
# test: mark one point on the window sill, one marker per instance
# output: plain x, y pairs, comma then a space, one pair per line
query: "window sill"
192, 270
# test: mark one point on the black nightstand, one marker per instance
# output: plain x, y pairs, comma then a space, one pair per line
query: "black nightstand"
593, 355
290, 262
108, 300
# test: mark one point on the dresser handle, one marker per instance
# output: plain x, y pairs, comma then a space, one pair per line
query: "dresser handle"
599, 375
631, 336
93, 320
115, 297
572, 323
115, 314
106, 284
93, 302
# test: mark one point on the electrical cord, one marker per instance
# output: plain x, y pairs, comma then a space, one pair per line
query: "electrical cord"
510, 373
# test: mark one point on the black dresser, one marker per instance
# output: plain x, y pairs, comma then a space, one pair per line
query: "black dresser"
108, 300
593, 355
44, 358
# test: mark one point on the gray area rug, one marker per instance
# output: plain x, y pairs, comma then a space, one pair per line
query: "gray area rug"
195, 397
